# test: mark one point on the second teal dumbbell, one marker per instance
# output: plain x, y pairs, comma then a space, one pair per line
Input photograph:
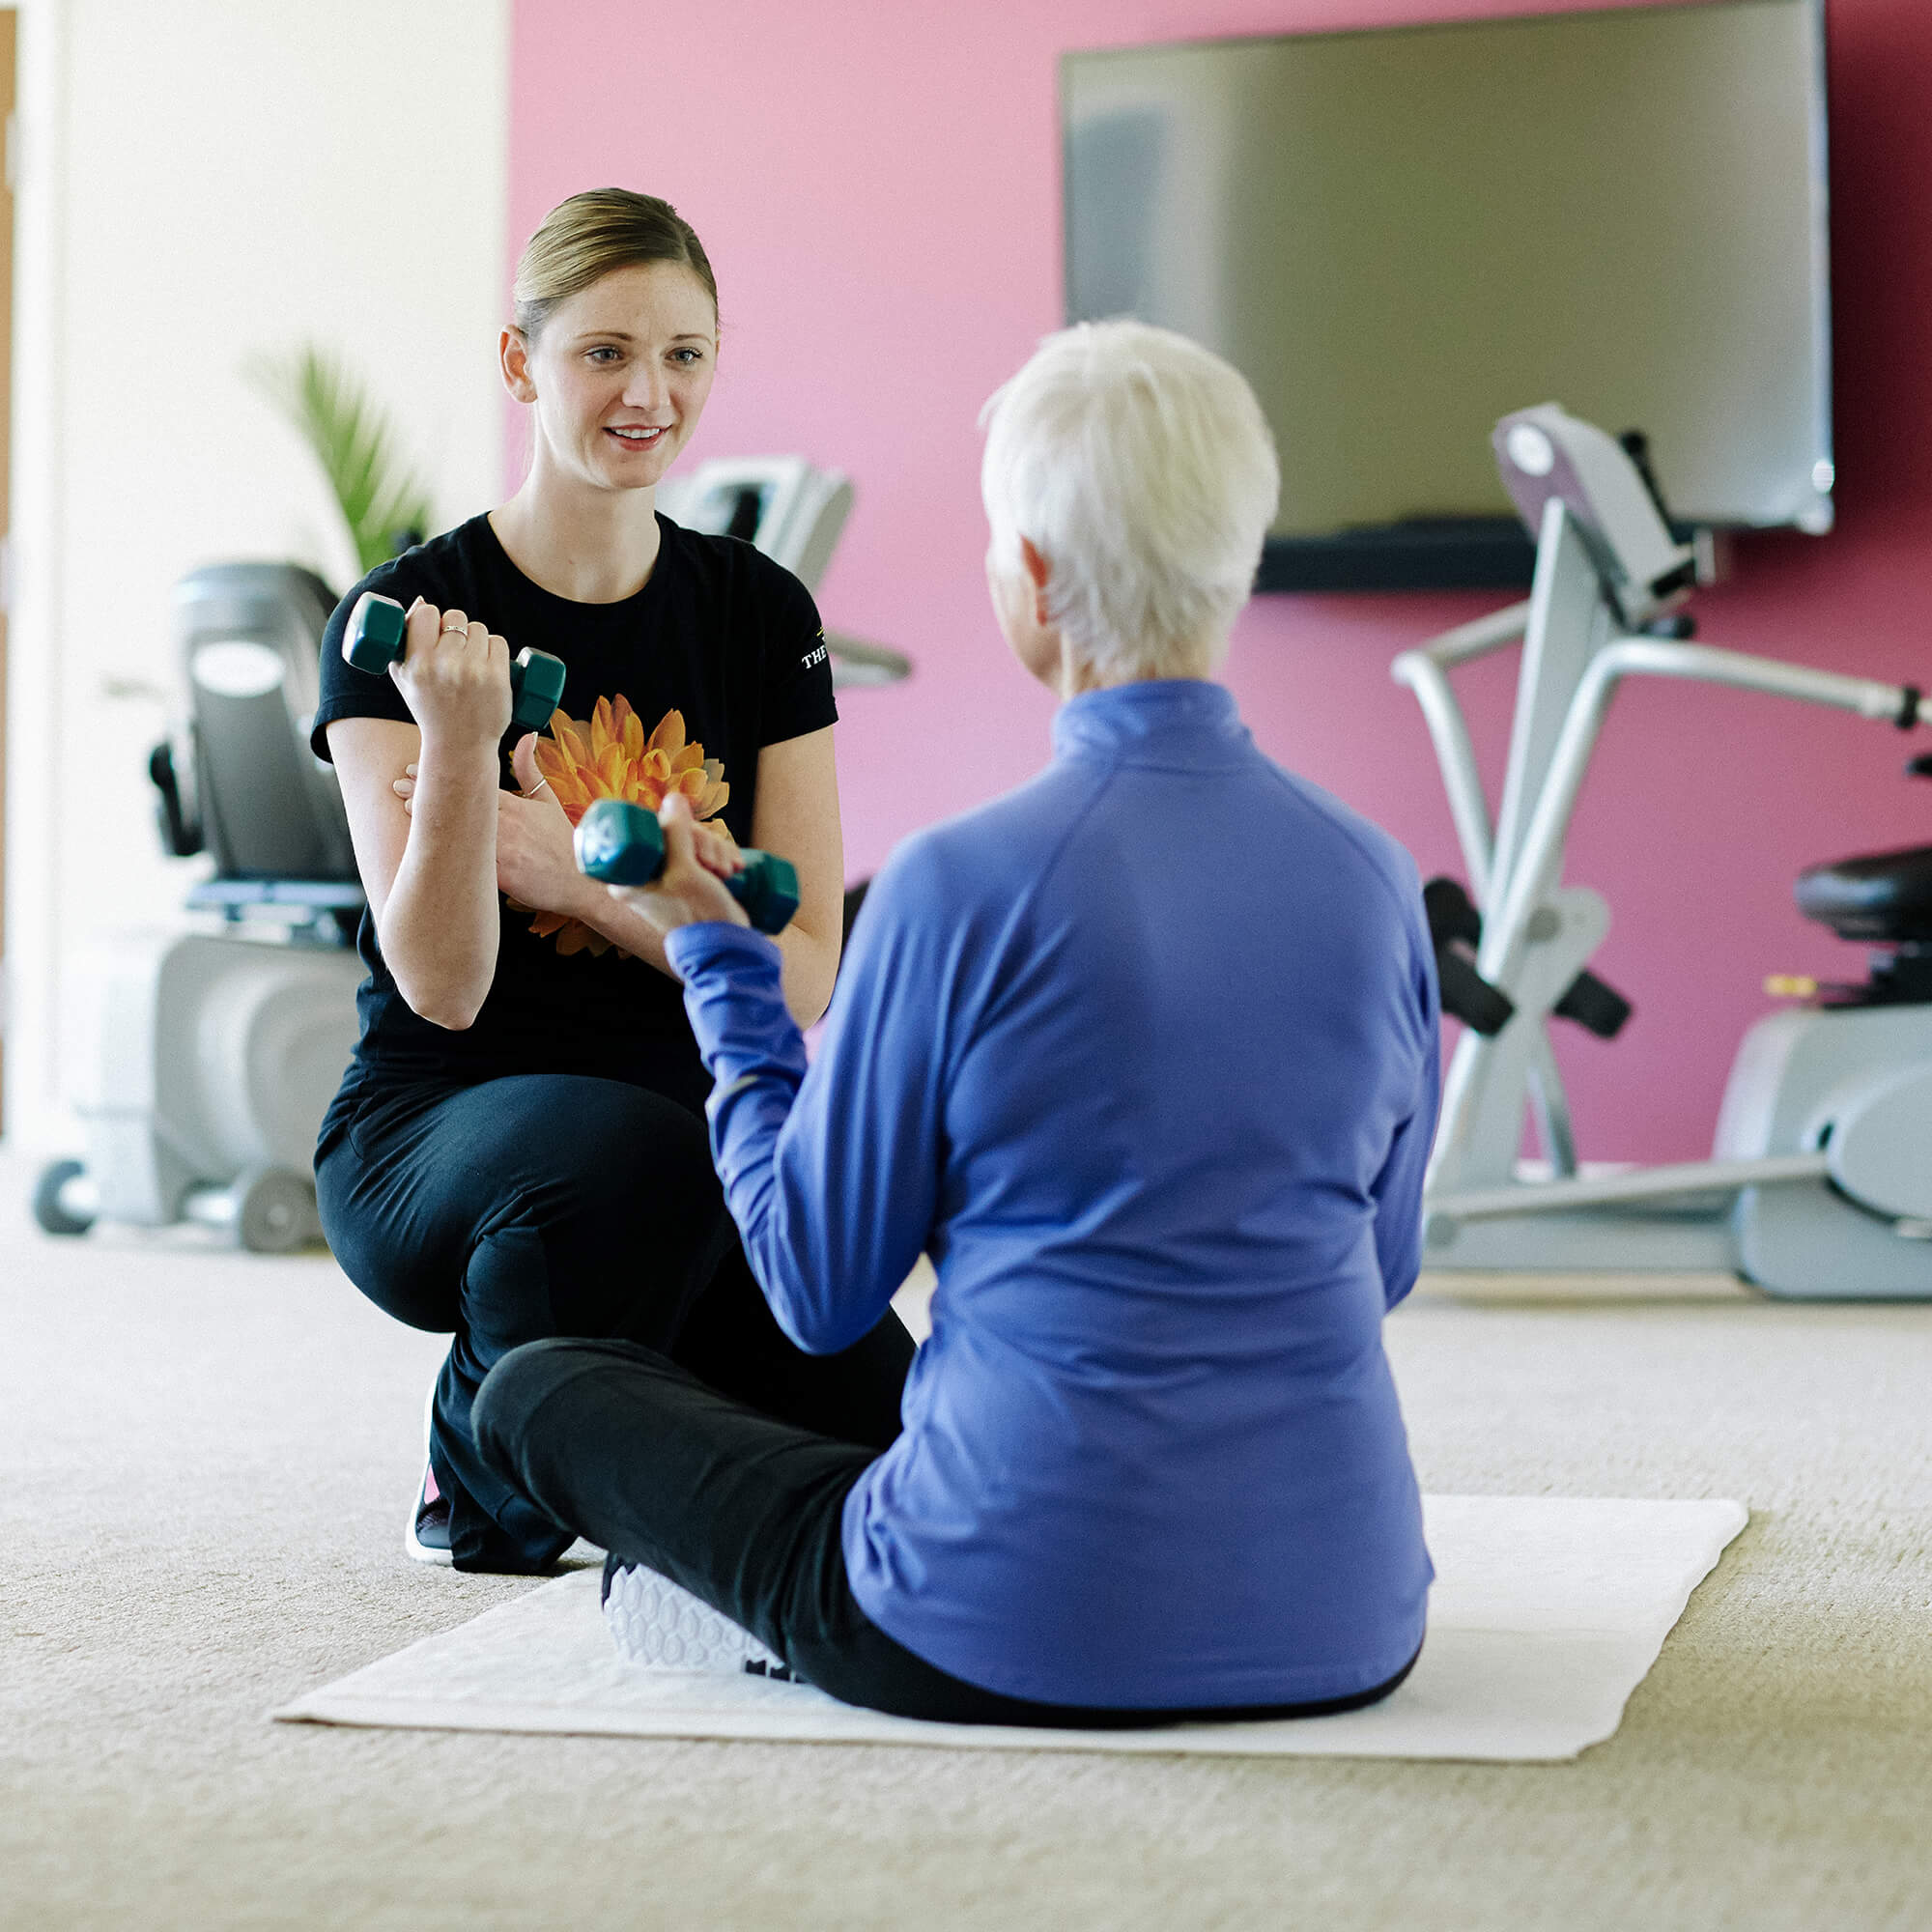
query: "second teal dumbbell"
622, 844
373, 642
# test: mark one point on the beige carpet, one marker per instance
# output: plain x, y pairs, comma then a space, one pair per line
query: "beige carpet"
203, 1462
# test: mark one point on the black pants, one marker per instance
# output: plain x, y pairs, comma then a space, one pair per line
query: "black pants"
560, 1205
745, 1511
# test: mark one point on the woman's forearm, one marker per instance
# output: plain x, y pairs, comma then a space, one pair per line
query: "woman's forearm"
831, 1173
797, 814
810, 965
612, 919
440, 925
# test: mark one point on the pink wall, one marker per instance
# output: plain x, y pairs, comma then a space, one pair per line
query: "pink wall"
878, 187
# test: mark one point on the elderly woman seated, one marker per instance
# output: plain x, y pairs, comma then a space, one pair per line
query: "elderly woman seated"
1144, 1057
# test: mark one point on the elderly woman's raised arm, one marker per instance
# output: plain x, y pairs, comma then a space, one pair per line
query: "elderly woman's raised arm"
832, 1174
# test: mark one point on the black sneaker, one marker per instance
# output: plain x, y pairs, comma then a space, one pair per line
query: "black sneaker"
426, 1534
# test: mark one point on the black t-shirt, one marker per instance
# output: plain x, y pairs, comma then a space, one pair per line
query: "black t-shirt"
719, 655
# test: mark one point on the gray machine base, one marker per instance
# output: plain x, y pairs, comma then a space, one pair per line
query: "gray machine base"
211, 1063
1607, 1241
1799, 1083
1805, 1242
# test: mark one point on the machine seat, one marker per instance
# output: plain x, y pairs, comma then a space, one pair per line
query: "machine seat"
1885, 897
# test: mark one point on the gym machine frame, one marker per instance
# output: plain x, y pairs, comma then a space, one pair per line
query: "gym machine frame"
1581, 636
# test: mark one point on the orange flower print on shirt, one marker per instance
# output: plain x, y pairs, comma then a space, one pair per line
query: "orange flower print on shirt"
608, 755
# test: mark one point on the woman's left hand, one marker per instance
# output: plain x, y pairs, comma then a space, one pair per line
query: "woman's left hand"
537, 863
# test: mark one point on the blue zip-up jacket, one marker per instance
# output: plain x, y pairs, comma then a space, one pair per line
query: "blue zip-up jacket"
1144, 1055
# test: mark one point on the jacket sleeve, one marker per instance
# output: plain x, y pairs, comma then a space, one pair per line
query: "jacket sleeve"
831, 1171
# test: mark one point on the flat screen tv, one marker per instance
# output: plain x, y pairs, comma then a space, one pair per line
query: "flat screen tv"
1400, 234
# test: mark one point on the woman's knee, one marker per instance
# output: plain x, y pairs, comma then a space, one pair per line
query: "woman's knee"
603, 1141
512, 1401
644, 1193
364, 1234
512, 1393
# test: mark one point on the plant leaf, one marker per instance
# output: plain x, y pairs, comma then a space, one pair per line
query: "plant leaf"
356, 445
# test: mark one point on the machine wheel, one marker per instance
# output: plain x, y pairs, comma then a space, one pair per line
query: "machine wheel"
275, 1212
48, 1211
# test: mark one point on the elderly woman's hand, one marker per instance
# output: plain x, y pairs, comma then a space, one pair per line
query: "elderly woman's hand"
691, 888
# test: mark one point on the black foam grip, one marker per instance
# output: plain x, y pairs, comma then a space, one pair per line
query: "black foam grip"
179, 838
1467, 995
1450, 913
1594, 1006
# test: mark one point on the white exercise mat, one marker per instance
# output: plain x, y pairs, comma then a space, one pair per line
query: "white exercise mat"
1546, 1613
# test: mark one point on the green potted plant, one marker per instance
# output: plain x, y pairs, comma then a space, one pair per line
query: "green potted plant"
383, 501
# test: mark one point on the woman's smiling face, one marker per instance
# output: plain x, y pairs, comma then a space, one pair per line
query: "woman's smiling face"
619, 375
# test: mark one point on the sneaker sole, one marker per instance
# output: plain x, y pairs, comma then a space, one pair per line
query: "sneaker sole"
661, 1626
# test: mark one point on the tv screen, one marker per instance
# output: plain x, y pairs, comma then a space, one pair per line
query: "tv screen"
1400, 234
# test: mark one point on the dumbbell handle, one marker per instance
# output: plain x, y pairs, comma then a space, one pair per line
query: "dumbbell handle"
375, 640
622, 844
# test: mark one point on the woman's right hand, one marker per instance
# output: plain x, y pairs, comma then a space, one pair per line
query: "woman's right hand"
454, 675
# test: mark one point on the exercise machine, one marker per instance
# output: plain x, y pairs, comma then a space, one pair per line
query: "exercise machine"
795, 514
210, 1055
1820, 1178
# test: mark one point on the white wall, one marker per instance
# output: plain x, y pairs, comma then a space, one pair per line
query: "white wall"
201, 181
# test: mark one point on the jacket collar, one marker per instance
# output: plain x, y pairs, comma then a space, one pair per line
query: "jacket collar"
1178, 722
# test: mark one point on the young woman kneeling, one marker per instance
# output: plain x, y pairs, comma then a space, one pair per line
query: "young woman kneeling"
1143, 1056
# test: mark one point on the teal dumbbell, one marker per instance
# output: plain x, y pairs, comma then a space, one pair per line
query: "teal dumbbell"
373, 642
622, 844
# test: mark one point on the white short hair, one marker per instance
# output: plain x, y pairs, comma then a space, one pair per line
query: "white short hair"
1140, 466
